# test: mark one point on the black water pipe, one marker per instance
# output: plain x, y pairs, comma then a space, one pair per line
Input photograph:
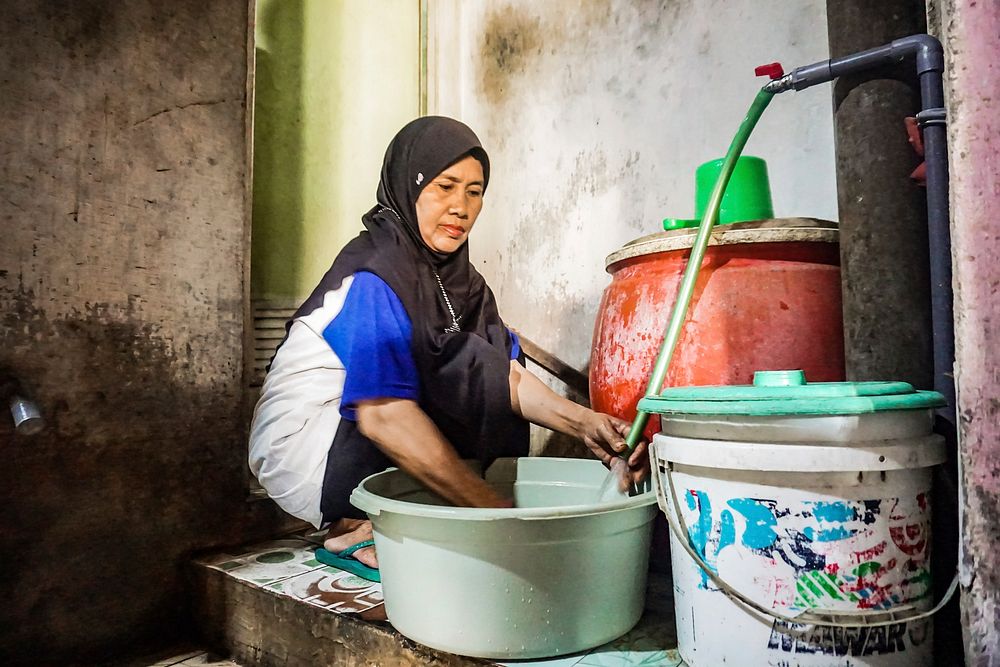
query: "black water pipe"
929, 58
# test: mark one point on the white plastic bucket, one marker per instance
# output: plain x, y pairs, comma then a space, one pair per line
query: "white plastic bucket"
823, 515
559, 573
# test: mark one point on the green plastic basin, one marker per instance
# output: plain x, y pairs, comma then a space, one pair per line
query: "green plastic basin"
559, 573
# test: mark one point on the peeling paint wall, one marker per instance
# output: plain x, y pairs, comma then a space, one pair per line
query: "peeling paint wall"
971, 37
124, 216
596, 114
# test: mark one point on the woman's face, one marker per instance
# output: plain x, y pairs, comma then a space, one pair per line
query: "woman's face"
449, 205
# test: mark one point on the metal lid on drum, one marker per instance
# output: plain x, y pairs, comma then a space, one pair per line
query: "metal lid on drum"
778, 230
787, 393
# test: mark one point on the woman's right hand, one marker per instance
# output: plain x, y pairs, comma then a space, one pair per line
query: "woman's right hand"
605, 436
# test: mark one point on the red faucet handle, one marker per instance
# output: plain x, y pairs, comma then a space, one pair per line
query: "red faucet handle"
773, 70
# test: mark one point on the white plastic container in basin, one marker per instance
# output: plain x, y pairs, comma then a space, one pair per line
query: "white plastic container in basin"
559, 573
810, 501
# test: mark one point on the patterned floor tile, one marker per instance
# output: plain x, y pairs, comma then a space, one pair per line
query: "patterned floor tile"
563, 661
227, 560
633, 659
652, 643
335, 590
272, 562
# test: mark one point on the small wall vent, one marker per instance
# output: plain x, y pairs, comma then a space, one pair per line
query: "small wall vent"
269, 318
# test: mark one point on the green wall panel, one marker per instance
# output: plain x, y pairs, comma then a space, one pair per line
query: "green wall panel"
334, 82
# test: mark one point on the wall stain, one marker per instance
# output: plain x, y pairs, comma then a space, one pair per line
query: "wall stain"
83, 26
136, 370
511, 40
141, 462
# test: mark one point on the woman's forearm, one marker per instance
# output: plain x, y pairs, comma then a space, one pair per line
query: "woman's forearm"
407, 435
533, 400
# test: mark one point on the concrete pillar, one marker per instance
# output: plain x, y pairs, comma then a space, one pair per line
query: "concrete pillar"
972, 41
883, 219
884, 249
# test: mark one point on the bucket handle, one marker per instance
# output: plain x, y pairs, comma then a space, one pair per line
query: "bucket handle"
671, 507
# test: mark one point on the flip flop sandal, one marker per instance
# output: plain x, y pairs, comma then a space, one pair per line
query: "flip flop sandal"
344, 560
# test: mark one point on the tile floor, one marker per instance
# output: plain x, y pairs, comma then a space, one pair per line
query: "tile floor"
651, 644
288, 567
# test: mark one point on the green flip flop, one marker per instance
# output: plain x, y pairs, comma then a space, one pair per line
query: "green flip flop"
344, 560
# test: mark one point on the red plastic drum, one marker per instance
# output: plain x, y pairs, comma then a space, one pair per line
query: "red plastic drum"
767, 298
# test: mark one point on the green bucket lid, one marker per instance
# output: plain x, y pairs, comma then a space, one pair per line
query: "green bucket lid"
788, 393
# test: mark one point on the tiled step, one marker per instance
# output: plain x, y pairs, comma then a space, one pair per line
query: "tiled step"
275, 604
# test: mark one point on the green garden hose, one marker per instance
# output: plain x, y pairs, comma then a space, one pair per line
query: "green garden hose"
708, 220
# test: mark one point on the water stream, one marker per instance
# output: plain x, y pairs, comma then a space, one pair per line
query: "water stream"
617, 482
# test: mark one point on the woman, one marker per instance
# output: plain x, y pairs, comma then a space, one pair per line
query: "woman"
399, 357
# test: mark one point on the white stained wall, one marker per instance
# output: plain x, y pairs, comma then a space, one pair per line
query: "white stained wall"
595, 115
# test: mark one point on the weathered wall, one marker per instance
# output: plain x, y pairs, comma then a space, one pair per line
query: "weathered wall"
123, 136
335, 81
971, 36
596, 114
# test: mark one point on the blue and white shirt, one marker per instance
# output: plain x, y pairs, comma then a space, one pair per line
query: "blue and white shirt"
355, 347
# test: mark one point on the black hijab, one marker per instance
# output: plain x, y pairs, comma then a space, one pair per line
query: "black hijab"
464, 385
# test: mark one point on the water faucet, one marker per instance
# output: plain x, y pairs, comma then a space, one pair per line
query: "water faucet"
24, 411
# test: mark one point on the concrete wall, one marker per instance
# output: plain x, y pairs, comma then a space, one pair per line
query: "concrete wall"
124, 216
335, 81
596, 114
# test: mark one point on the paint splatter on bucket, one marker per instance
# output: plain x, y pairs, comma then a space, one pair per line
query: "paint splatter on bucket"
805, 512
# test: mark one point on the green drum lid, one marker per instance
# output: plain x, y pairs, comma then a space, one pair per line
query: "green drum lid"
788, 393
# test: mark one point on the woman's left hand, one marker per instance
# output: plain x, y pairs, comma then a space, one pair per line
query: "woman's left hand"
605, 436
